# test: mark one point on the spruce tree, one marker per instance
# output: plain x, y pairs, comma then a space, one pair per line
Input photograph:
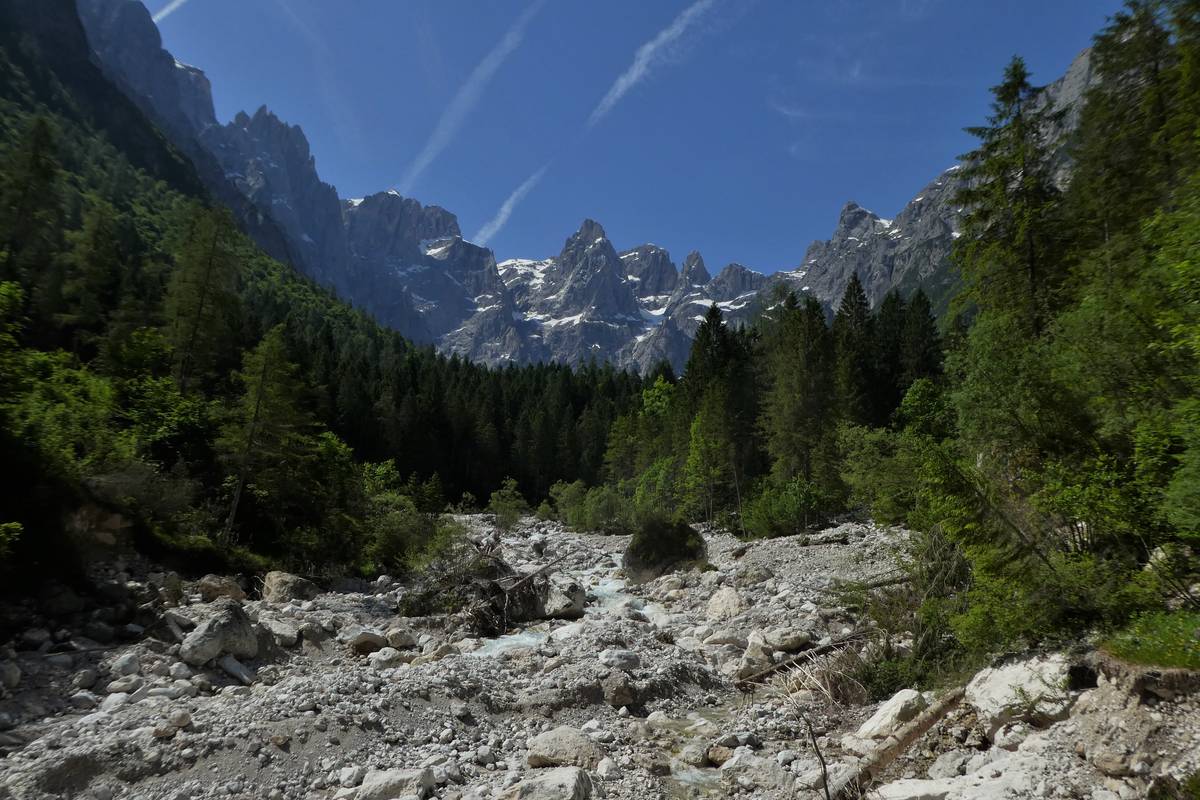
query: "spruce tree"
93, 289
854, 350
31, 213
798, 401
889, 332
269, 438
1009, 254
201, 298
920, 343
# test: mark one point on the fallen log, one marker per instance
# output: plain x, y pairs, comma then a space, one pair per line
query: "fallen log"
807, 655
868, 769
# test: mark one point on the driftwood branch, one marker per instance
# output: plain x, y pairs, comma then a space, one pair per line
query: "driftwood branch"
807, 655
874, 763
525, 579
882, 583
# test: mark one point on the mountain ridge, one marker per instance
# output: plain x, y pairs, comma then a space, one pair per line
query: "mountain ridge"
409, 265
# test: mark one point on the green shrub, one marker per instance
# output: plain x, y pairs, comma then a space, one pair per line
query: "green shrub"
508, 504
1161, 639
445, 543
606, 510
569, 502
660, 545
885, 676
785, 510
655, 492
396, 531
1048, 601
545, 511
603, 509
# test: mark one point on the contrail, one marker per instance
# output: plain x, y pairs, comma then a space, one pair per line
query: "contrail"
467, 97
167, 10
649, 56
497, 222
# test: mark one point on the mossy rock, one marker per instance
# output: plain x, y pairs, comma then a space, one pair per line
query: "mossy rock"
659, 547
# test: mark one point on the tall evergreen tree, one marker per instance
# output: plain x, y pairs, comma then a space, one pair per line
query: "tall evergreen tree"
1009, 254
889, 332
31, 210
269, 438
201, 297
854, 350
93, 289
798, 402
920, 343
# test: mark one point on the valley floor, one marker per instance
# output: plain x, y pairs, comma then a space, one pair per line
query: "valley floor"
629, 693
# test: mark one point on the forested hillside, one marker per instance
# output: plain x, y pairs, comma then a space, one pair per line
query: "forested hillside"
158, 364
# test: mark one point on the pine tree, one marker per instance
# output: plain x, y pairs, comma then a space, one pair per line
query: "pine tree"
920, 343
709, 358
854, 350
889, 332
1009, 253
269, 438
93, 290
201, 297
31, 214
1126, 159
798, 402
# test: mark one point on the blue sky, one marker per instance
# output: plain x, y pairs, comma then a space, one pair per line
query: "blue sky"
735, 127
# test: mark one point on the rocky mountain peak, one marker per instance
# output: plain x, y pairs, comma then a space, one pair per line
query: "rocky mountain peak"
736, 280
590, 235
694, 272
386, 225
854, 219
650, 268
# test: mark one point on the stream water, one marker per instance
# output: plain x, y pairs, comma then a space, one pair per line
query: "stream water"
608, 596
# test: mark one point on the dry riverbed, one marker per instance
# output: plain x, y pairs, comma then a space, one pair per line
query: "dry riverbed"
620, 691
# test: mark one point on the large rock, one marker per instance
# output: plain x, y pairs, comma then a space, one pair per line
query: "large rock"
790, 640
401, 639
283, 587
285, 632
903, 706
387, 784
620, 659
564, 783
724, 604
1033, 691
228, 630
763, 773
562, 747
565, 599
389, 657
212, 587
1020, 775
364, 642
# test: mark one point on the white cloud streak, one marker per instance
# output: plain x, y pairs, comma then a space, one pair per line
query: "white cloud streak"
467, 97
494, 225
649, 56
338, 109
167, 10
